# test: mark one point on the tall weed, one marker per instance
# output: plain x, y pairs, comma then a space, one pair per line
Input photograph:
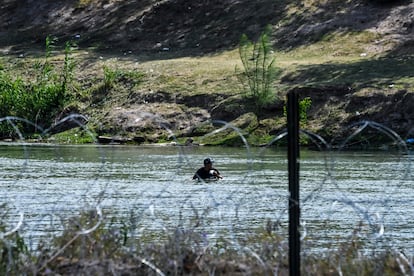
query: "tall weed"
259, 69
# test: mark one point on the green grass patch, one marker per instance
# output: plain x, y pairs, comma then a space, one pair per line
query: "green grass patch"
73, 136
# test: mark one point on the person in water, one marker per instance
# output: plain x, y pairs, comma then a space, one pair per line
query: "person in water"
207, 172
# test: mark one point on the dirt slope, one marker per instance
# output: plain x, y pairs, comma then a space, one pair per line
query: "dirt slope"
202, 27
195, 27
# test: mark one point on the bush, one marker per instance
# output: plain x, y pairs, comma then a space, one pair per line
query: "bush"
38, 100
259, 71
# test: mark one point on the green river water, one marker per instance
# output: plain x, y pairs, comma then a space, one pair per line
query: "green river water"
43, 185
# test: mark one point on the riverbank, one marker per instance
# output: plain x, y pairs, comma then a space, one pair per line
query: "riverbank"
150, 83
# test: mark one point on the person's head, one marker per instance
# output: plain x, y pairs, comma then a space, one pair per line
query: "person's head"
208, 163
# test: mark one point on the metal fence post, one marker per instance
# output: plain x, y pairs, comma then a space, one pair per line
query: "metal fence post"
293, 168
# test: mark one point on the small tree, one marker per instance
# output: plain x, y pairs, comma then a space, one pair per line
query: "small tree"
259, 69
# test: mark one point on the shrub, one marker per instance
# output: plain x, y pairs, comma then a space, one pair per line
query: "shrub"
304, 105
38, 100
259, 71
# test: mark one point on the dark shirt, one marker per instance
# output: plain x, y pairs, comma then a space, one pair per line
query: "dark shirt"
205, 174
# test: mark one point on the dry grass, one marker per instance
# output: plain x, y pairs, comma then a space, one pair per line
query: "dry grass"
110, 249
209, 74
216, 73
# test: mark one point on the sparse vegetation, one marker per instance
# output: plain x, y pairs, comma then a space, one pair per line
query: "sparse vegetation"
92, 244
304, 106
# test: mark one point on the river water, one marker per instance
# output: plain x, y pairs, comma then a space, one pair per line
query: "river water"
341, 193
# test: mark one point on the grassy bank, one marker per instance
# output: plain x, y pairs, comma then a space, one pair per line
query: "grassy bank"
97, 84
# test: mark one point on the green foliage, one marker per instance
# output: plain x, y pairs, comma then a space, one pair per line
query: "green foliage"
12, 247
304, 106
109, 77
11, 250
259, 70
74, 136
69, 66
38, 100
114, 79
112, 76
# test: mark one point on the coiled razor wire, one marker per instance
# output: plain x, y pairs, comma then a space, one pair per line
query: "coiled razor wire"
253, 193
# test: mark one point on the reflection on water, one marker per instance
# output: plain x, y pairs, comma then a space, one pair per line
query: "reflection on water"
338, 190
